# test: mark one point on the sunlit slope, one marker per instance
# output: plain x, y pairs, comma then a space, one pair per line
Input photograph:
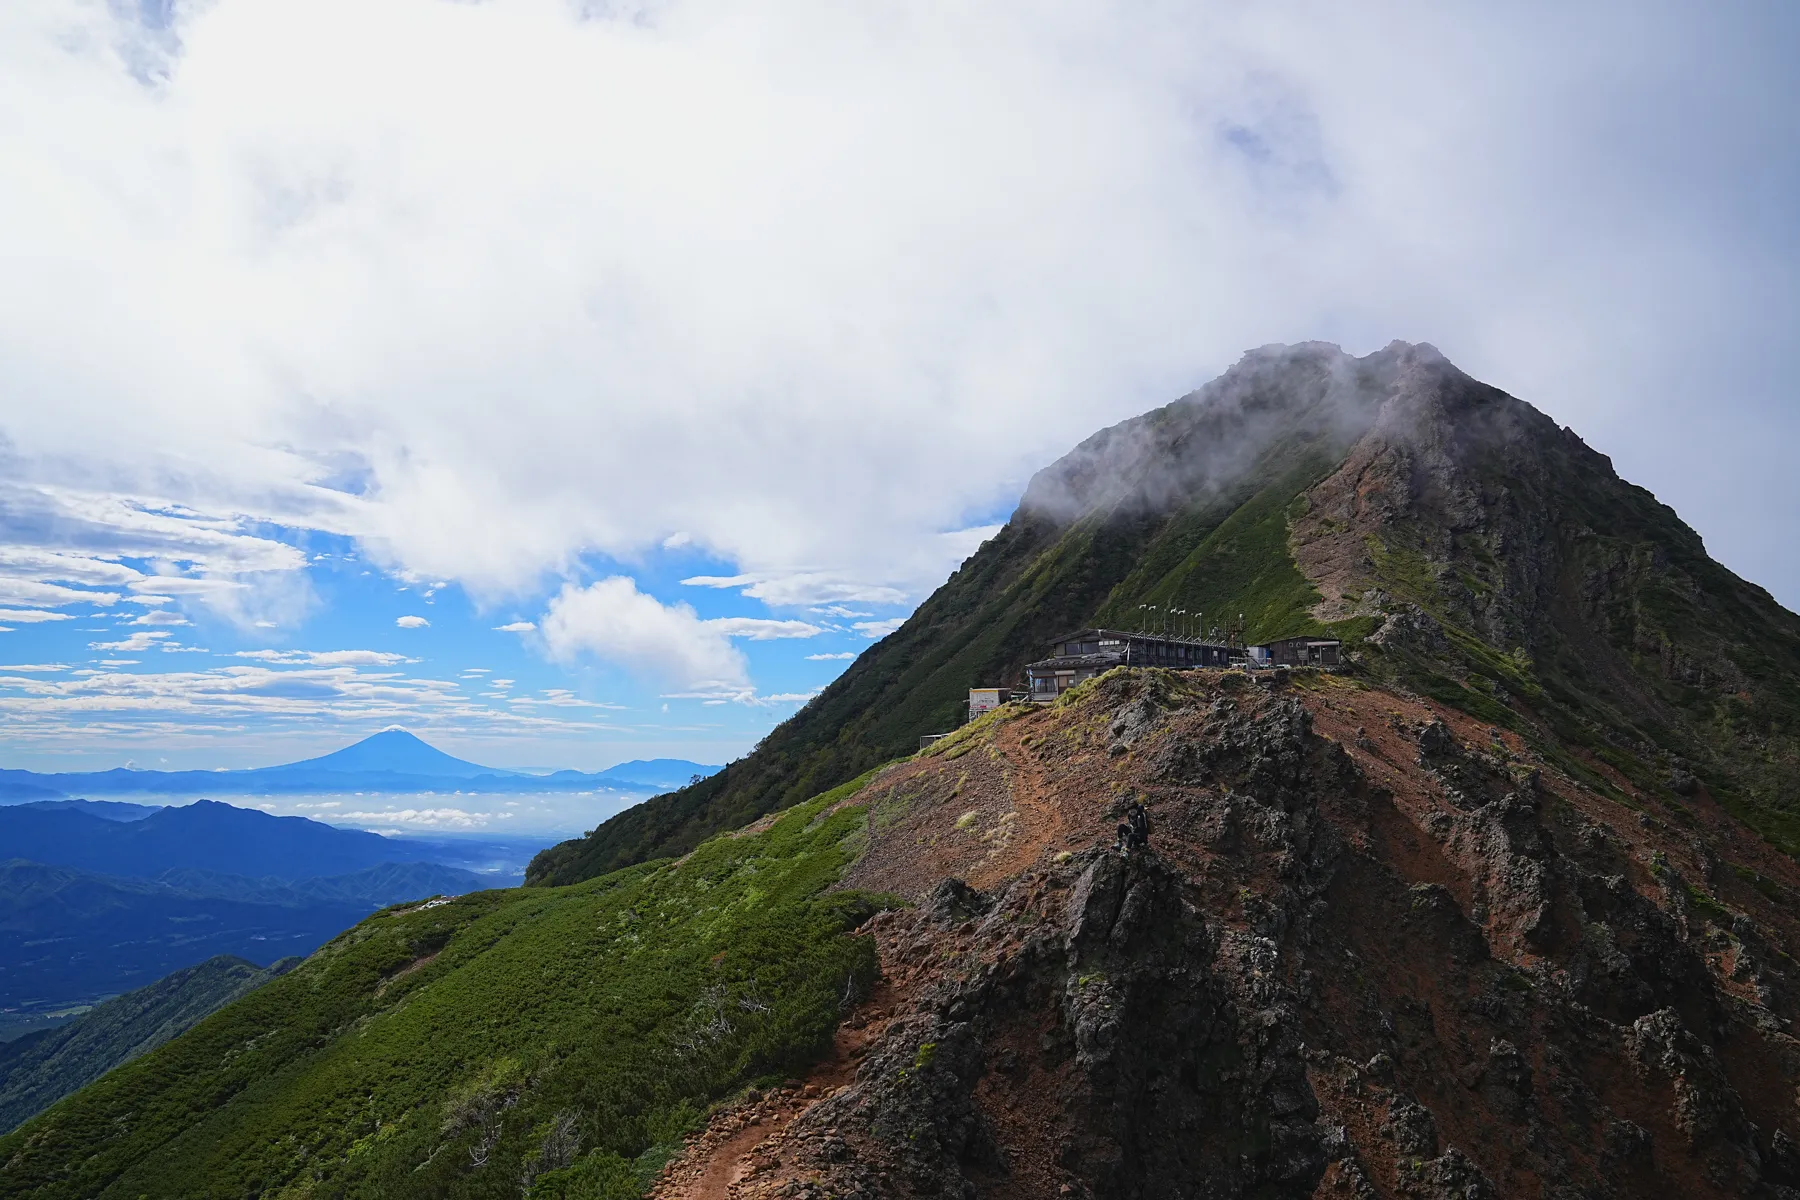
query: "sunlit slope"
1183, 507
41, 1068
563, 1037
1460, 542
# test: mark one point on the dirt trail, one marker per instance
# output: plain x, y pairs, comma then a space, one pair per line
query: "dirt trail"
745, 1152
717, 1162
1041, 820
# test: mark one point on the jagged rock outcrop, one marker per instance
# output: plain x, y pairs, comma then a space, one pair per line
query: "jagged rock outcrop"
1376, 949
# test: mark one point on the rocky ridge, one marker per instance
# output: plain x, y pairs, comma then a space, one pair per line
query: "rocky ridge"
1376, 949
1461, 543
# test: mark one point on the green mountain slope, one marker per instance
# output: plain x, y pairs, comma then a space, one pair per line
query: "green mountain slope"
1137, 513
550, 1040
1458, 540
41, 1068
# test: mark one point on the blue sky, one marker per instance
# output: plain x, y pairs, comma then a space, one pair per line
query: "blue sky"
143, 677
707, 340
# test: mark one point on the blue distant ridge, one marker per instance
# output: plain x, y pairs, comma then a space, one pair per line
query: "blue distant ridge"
393, 761
206, 835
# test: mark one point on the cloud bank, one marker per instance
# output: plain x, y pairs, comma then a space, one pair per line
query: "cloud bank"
809, 286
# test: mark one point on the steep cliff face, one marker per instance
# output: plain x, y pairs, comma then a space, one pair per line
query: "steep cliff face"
1375, 949
1463, 544
1515, 575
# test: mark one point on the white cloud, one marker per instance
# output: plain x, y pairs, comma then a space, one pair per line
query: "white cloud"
614, 621
814, 283
829, 657
146, 640
54, 565
423, 818
14, 590
878, 629
30, 616
182, 585
161, 616
759, 629
802, 588
411, 622
328, 658
515, 627
65, 541
222, 702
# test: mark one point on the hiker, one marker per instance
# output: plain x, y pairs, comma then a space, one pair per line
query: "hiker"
1134, 830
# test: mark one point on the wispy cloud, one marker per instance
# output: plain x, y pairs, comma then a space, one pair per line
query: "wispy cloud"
148, 640
829, 657
411, 622
27, 616
799, 588
759, 629
161, 616
327, 658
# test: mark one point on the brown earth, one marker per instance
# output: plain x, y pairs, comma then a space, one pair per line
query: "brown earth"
1376, 949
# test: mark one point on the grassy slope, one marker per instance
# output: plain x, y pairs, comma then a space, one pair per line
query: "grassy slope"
1231, 558
509, 1028
41, 1068
1032, 582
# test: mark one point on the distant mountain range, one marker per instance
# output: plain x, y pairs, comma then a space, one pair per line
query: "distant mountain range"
206, 834
41, 1068
393, 761
72, 936
98, 897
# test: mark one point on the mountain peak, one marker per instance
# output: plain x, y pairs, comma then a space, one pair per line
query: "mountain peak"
1459, 542
398, 750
